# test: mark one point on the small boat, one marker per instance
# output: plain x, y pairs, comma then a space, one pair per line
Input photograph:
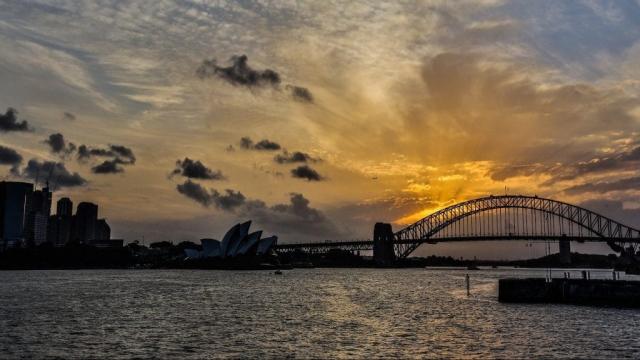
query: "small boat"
472, 267
278, 272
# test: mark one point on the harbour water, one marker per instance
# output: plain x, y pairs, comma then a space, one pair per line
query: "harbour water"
304, 313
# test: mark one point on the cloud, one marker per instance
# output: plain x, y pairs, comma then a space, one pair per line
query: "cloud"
228, 201
55, 172
623, 160
195, 191
119, 154
68, 116
294, 157
58, 144
295, 217
108, 167
614, 209
299, 93
306, 172
123, 153
299, 206
632, 183
504, 172
194, 169
9, 122
11, 157
268, 145
239, 73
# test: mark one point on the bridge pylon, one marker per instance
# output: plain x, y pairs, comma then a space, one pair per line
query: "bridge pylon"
383, 254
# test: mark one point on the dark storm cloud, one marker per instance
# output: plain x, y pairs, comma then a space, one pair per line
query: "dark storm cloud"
267, 145
9, 156
300, 93
306, 172
239, 73
227, 201
294, 157
194, 169
68, 116
9, 122
55, 172
108, 167
58, 144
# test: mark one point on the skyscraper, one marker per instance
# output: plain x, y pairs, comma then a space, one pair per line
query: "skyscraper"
103, 230
85, 222
38, 209
13, 202
59, 228
65, 207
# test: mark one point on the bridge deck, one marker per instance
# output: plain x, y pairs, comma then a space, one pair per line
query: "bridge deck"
368, 244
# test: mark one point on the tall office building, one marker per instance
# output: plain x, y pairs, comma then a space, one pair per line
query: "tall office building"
65, 207
85, 222
60, 227
103, 230
13, 205
38, 209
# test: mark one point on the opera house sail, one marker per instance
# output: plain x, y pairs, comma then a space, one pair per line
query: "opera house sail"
236, 242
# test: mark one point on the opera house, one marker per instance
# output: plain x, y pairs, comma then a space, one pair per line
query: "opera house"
236, 242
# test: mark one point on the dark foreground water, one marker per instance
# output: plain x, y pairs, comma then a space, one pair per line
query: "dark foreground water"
311, 313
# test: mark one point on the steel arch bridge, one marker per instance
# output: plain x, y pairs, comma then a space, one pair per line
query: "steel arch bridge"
503, 217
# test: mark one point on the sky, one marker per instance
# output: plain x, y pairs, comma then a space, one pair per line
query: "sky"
317, 119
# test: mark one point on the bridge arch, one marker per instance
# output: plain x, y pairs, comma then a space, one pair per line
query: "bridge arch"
617, 235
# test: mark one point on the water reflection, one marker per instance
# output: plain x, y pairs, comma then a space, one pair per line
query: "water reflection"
330, 313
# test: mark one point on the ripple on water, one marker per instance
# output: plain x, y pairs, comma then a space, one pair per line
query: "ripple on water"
306, 313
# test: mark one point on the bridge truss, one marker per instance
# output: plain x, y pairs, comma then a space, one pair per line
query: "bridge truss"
504, 217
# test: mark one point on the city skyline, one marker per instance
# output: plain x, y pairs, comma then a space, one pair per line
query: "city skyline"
319, 120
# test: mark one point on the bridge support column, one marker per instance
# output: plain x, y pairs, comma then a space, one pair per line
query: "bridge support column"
564, 246
383, 254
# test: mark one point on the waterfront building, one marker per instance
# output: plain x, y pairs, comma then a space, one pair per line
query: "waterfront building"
13, 204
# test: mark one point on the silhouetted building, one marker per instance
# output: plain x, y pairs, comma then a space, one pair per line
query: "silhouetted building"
38, 209
236, 242
65, 207
13, 203
60, 227
85, 222
103, 231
